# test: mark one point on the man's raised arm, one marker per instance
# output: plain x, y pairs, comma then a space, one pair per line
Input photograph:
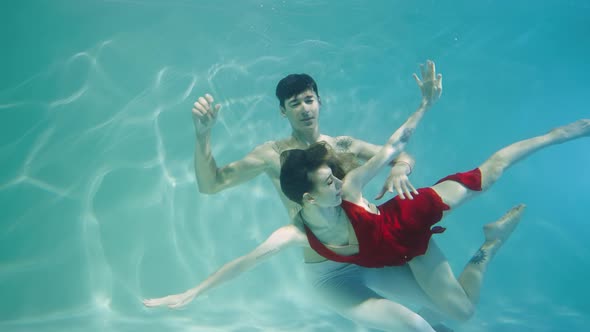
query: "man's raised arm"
210, 177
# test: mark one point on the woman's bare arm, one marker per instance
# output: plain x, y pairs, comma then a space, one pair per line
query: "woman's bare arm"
356, 179
282, 238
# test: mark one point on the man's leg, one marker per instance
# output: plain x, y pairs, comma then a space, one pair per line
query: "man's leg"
345, 291
435, 276
397, 283
454, 193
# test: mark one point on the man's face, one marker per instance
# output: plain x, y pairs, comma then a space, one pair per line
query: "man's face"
302, 110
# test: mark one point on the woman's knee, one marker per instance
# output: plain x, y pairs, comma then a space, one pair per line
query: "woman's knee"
492, 169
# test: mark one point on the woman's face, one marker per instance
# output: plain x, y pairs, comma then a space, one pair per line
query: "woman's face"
327, 189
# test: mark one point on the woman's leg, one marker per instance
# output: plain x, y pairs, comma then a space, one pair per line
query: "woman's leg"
496, 234
454, 193
457, 298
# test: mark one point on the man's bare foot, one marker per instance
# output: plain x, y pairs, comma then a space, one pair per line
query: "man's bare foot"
571, 131
501, 229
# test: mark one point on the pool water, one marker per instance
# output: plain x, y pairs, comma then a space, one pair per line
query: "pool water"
99, 205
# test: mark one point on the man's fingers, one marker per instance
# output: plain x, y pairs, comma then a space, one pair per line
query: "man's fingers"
215, 110
198, 112
201, 107
431, 69
204, 103
423, 71
209, 98
418, 81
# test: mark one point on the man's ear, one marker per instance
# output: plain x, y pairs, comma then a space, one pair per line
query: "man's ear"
307, 198
283, 111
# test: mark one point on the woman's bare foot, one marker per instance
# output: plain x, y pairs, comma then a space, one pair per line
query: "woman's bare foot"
501, 229
571, 131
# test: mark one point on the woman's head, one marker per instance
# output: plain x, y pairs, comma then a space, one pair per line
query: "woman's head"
313, 174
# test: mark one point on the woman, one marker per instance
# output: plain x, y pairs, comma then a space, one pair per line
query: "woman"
342, 226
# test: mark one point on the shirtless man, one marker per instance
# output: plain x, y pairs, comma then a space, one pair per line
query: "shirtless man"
300, 104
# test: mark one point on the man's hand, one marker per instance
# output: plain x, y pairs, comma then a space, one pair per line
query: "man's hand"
431, 83
398, 179
171, 301
204, 114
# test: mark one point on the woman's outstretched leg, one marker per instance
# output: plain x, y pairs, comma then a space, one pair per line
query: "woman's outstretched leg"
453, 193
458, 297
493, 168
496, 234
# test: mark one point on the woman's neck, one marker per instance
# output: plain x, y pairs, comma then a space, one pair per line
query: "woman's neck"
317, 216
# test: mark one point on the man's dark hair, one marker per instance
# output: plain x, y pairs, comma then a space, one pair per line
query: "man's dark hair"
293, 85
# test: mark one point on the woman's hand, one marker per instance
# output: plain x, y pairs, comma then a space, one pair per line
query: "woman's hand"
431, 83
172, 301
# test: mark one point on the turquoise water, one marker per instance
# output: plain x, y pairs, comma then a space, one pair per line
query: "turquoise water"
99, 206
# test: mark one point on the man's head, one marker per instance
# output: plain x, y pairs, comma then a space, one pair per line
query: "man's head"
312, 175
299, 101
293, 85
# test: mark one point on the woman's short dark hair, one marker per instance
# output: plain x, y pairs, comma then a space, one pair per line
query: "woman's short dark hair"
296, 165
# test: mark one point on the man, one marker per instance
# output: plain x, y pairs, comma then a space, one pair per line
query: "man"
300, 103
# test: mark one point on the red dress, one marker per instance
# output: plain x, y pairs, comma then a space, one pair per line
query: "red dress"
401, 230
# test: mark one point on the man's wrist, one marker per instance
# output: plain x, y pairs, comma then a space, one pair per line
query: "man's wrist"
202, 135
